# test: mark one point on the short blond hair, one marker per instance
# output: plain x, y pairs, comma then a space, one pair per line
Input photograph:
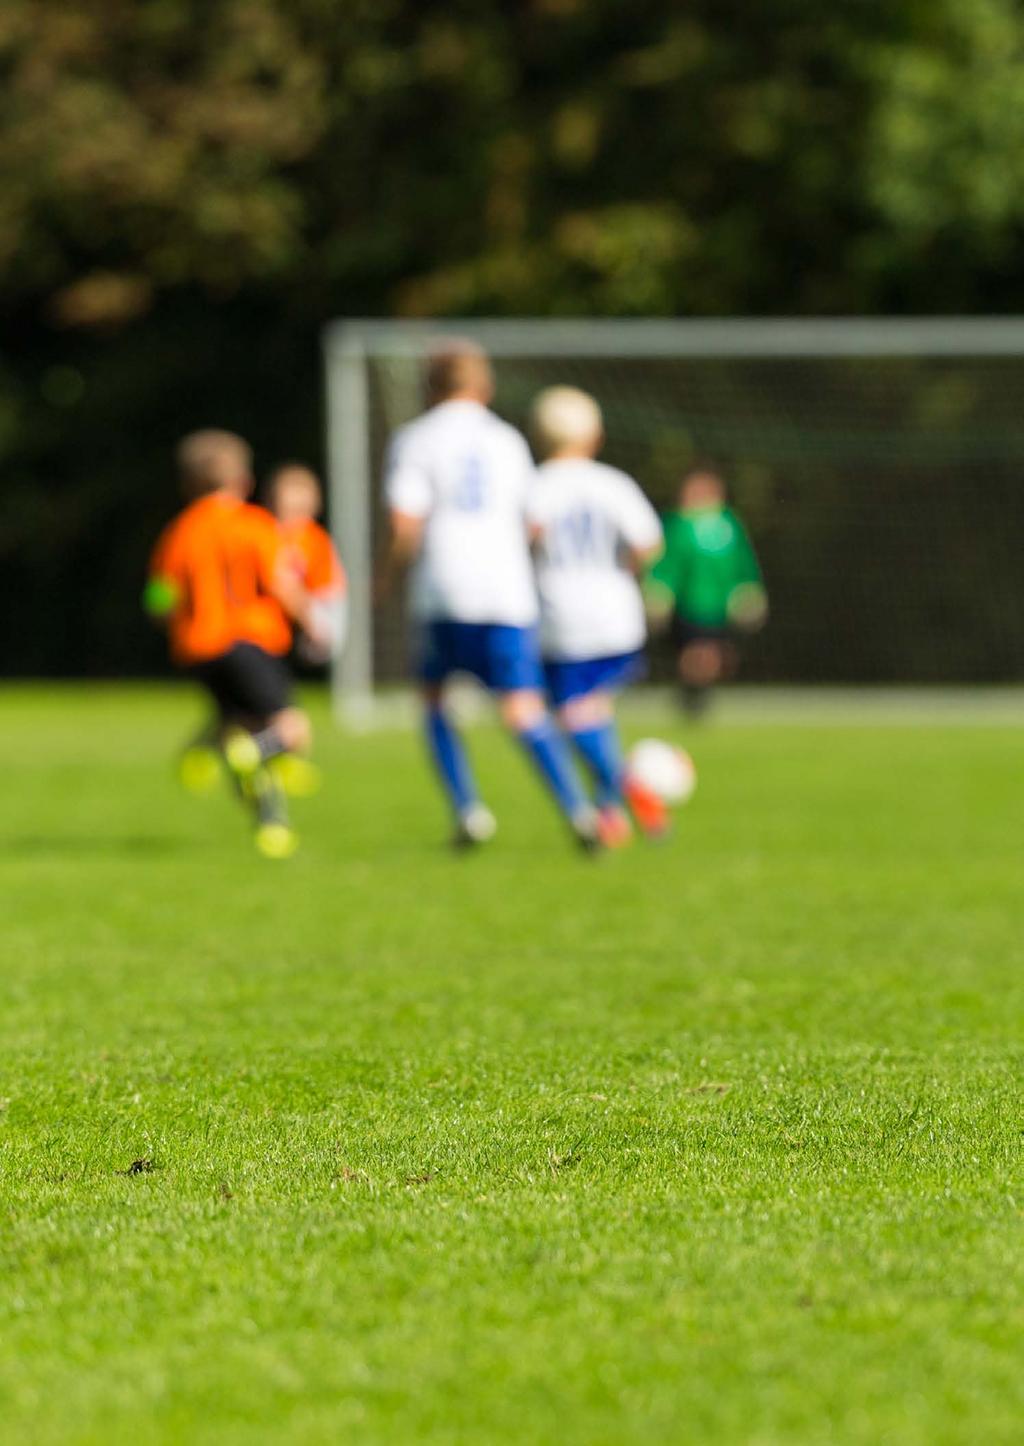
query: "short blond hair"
565, 417
293, 477
211, 459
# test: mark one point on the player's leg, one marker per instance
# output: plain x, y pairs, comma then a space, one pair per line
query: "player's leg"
255, 695
233, 716
446, 647
275, 837
286, 731
474, 822
583, 693
588, 719
729, 660
262, 679
198, 763
283, 743
524, 713
510, 666
701, 667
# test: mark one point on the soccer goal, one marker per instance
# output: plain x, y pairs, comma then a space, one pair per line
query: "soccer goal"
879, 466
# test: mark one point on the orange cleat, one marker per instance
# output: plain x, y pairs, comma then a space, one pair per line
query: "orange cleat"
651, 813
613, 827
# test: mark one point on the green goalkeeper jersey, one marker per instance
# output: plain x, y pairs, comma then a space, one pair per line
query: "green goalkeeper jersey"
707, 556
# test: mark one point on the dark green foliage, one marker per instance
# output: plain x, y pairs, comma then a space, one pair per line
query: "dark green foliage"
187, 190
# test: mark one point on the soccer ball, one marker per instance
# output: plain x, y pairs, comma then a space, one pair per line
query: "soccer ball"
666, 770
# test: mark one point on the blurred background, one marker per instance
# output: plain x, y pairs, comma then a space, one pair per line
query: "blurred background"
190, 189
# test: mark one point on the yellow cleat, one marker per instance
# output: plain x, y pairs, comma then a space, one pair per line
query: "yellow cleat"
297, 776
242, 753
199, 770
276, 840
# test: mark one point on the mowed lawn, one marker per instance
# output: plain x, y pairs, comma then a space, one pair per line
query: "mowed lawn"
714, 1142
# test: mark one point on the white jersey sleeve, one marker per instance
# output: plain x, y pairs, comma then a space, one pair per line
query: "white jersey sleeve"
639, 524
407, 486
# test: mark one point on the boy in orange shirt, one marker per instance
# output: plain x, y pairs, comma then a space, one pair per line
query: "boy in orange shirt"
295, 497
221, 584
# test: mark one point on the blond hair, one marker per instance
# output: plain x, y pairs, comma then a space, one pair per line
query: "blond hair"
292, 478
565, 417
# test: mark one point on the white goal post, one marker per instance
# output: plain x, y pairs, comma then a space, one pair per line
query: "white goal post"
372, 370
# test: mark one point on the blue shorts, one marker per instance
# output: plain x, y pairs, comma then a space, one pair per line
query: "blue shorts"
575, 677
504, 658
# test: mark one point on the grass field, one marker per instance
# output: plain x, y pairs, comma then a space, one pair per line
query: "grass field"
719, 1142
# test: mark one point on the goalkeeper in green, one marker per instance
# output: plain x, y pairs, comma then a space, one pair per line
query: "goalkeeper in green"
706, 587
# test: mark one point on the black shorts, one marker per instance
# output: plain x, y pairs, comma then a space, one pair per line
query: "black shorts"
247, 684
683, 632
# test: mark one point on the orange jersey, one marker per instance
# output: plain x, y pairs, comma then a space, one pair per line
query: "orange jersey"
311, 552
219, 557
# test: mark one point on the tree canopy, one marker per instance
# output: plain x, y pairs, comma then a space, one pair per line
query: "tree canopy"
188, 188
539, 155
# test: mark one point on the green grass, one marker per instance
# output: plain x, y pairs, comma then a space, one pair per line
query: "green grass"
719, 1142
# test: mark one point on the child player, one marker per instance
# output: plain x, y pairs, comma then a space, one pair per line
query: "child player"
594, 531
457, 485
220, 583
295, 497
709, 583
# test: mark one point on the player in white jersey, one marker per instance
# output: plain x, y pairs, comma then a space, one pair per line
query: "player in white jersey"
457, 485
594, 532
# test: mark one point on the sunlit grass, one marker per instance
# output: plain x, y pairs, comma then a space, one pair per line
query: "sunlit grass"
714, 1142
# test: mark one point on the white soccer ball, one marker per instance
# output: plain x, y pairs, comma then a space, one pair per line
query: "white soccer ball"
666, 770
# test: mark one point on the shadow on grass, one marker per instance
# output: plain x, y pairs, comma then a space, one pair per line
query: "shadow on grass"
82, 845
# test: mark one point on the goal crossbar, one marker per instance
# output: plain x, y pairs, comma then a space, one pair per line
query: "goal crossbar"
724, 337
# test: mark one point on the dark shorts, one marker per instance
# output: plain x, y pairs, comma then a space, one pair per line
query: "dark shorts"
246, 683
505, 659
576, 677
683, 632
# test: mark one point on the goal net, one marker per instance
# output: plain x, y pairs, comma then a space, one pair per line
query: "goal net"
877, 465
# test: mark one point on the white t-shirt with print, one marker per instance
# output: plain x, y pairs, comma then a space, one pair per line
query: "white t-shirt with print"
466, 474
588, 516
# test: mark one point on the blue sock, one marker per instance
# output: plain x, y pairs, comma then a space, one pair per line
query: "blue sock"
553, 761
450, 760
602, 751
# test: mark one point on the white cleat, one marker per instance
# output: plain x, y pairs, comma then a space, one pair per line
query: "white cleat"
477, 825
586, 828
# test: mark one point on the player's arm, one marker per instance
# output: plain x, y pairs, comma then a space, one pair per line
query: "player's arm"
277, 571
534, 519
748, 569
671, 562
400, 550
663, 582
409, 497
286, 588
164, 587
643, 543
748, 601
641, 557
